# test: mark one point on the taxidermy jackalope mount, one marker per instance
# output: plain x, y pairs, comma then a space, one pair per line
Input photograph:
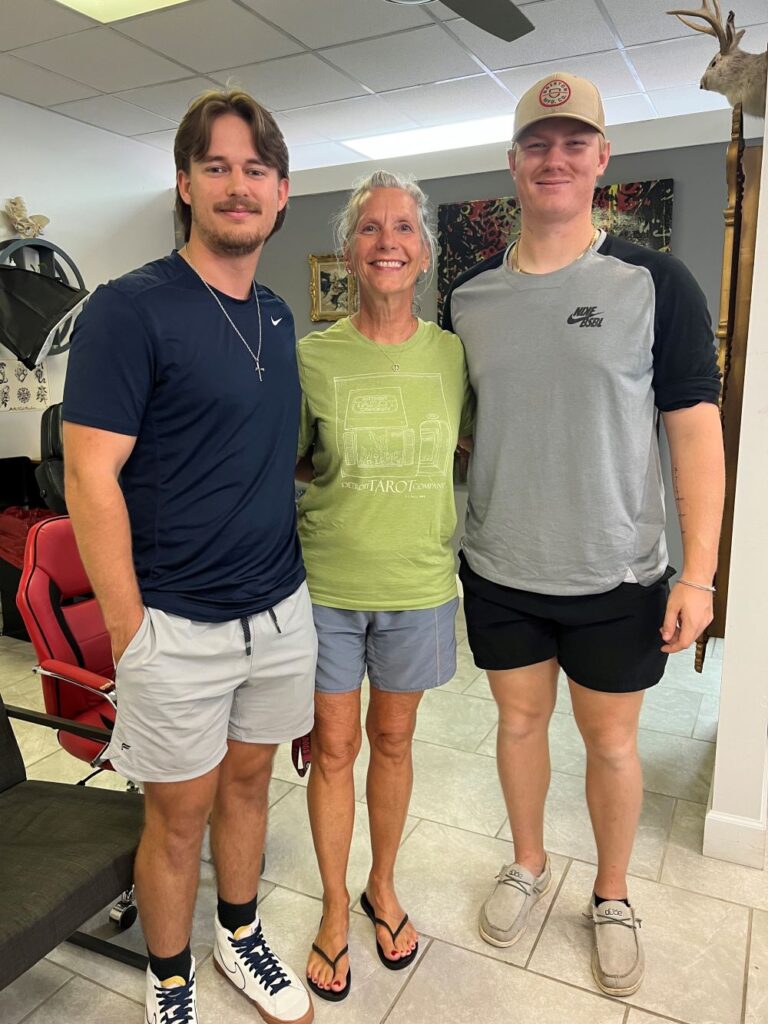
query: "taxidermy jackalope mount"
736, 74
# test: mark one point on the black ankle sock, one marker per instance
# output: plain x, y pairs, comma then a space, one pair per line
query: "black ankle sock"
165, 967
236, 915
602, 899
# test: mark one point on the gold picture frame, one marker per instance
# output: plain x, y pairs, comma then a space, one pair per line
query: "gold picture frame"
332, 291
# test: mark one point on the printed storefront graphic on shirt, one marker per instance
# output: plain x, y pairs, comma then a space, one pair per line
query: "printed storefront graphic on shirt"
393, 432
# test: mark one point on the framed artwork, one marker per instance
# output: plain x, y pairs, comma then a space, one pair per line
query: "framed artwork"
467, 233
333, 292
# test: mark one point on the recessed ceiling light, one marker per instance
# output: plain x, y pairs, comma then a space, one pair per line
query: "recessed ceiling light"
113, 10
409, 3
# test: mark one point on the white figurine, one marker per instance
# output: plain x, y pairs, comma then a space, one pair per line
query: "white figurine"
24, 225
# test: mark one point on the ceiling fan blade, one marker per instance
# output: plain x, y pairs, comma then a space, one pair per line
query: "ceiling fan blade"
499, 17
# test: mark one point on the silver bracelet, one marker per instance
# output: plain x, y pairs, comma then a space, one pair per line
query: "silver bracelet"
698, 586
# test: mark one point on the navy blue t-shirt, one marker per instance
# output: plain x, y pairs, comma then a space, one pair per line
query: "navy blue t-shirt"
209, 484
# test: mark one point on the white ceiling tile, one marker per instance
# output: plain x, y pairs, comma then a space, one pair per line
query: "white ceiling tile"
563, 28
608, 71
296, 134
210, 34
683, 61
407, 58
31, 21
685, 99
291, 82
169, 100
450, 102
325, 22
114, 115
625, 109
32, 84
322, 154
648, 21
103, 59
442, 11
347, 119
160, 140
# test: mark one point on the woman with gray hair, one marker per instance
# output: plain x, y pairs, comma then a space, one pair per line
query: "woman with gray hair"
386, 396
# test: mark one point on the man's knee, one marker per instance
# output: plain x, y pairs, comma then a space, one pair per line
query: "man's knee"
520, 722
611, 744
176, 827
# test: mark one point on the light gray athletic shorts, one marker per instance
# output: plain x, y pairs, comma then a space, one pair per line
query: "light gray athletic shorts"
402, 652
183, 688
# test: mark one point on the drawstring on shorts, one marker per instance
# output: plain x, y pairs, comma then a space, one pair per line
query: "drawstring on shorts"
246, 627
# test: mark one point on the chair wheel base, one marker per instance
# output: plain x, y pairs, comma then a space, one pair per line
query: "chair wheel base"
124, 913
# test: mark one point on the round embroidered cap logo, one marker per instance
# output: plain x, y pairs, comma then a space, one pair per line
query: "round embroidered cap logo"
560, 94
555, 93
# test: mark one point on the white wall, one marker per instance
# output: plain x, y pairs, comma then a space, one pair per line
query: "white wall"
736, 826
109, 204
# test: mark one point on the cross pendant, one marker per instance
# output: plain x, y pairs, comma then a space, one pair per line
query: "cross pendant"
260, 370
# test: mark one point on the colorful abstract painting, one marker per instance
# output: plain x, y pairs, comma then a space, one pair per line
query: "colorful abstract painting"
640, 211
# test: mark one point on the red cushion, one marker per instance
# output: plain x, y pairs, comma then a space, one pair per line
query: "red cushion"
82, 748
64, 622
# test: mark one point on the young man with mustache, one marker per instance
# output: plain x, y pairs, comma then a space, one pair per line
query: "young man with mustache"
181, 414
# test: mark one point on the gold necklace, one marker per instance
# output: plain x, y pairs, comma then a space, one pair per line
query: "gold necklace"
515, 265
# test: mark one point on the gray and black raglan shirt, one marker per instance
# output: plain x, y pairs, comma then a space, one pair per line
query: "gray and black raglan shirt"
570, 370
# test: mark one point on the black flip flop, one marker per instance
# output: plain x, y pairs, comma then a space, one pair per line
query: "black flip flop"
392, 965
328, 993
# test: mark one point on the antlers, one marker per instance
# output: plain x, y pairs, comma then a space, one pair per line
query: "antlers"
713, 16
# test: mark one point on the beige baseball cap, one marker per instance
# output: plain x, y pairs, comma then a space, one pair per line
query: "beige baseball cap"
560, 95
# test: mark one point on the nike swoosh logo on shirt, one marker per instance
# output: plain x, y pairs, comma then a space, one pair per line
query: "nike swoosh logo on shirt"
276, 322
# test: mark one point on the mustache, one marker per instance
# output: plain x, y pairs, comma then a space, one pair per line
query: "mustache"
238, 204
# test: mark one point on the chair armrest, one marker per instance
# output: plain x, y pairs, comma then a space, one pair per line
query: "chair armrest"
89, 732
80, 677
74, 674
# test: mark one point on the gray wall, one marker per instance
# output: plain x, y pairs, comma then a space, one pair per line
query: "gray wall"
697, 238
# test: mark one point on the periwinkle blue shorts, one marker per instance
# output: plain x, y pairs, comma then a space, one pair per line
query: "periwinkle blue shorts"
402, 652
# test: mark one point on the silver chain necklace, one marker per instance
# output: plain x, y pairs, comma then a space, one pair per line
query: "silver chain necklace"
395, 366
259, 368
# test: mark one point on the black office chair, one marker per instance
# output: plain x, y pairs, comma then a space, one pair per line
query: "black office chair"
65, 852
50, 473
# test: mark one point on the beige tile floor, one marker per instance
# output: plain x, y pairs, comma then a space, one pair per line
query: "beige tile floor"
705, 923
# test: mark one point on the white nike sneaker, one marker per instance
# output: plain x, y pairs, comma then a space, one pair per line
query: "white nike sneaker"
245, 959
172, 1001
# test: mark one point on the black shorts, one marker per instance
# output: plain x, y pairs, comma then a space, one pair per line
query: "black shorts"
608, 642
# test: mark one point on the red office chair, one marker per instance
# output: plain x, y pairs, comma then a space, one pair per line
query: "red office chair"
66, 628
64, 622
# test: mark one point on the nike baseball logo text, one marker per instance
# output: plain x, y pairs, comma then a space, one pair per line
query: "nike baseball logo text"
586, 316
275, 322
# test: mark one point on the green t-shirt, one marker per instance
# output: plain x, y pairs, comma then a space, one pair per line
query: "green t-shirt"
377, 520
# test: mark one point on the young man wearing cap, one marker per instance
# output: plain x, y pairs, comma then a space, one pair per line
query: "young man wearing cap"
575, 341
